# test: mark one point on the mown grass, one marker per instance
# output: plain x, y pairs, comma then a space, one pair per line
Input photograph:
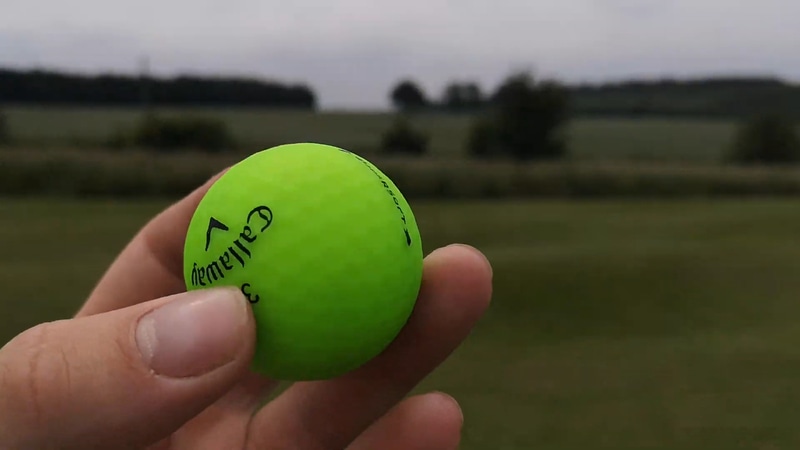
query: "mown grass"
694, 140
615, 325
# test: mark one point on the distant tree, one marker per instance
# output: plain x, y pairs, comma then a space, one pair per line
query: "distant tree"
766, 139
462, 96
472, 94
408, 95
525, 120
452, 99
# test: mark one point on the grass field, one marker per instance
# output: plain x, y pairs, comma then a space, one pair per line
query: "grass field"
615, 325
690, 140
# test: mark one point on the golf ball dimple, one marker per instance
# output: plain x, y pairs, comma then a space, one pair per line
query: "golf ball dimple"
325, 248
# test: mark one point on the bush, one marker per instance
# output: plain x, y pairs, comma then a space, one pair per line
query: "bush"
481, 139
524, 121
179, 133
767, 139
402, 138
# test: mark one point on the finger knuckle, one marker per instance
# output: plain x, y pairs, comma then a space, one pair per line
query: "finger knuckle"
38, 369
291, 435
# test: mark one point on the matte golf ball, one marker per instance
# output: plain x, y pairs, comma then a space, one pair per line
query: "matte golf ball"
322, 244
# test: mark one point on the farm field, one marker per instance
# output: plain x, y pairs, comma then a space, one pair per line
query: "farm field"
689, 140
615, 324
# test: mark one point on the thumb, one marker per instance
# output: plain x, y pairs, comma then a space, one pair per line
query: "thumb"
125, 378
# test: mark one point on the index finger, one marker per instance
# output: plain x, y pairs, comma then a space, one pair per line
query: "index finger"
151, 265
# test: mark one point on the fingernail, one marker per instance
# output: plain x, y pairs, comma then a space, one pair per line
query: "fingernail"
194, 334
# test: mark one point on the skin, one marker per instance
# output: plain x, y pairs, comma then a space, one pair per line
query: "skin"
84, 382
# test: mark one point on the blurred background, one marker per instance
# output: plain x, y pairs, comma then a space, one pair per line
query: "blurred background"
630, 168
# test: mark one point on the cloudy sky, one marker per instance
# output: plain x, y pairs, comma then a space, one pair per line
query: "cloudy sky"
351, 51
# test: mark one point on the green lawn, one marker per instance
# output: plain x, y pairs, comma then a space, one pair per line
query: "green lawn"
691, 140
615, 325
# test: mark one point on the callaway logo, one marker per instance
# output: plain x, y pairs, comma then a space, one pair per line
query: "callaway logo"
236, 254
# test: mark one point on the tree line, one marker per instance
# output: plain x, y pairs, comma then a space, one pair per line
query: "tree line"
701, 97
724, 97
51, 87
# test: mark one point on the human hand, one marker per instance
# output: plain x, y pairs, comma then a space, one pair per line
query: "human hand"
146, 365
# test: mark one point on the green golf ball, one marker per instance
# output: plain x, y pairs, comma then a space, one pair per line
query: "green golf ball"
325, 248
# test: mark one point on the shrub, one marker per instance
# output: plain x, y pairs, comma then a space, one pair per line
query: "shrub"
402, 138
767, 139
181, 133
481, 142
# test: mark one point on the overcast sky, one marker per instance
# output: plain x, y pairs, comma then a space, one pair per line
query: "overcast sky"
352, 51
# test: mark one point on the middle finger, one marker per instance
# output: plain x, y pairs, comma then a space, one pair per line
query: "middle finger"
330, 414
